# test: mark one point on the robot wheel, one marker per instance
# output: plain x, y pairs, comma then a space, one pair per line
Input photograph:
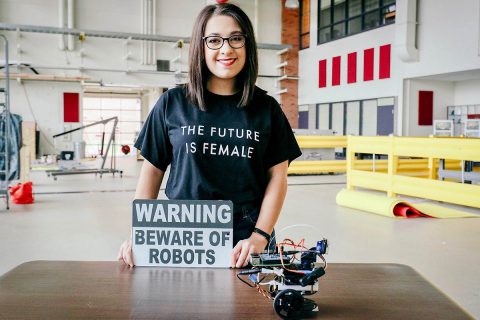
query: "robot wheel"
288, 303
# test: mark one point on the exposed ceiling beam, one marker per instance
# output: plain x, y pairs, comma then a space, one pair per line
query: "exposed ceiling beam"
114, 35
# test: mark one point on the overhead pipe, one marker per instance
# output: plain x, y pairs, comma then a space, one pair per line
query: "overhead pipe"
147, 30
154, 30
46, 77
143, 28
70, 24
255, 23
61, 22
141, 31
114, 35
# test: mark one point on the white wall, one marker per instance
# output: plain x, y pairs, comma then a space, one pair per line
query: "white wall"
448, 38
467, 92
443, 96
42, 102
309, 92
448, 41
102, 59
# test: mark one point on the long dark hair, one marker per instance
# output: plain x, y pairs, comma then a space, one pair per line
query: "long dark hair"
198, 71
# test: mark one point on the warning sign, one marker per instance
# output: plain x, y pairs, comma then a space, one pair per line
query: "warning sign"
182, 233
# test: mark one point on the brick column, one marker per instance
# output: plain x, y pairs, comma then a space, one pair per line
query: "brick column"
291, 36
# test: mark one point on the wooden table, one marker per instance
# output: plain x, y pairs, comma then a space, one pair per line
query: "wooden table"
92, 290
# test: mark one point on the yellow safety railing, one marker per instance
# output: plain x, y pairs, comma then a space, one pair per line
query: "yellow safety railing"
322, 141
411, 167
394, 182
319, 166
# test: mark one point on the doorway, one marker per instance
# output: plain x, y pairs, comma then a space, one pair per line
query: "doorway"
384, 120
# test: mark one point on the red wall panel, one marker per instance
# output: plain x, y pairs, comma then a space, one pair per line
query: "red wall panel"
425, 108
384, 72
322, 73
368, 64
71, 107
336, 62
352, 67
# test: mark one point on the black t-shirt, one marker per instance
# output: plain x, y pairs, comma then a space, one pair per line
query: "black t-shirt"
223, 153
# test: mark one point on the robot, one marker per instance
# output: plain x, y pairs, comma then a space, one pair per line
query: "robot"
287, 276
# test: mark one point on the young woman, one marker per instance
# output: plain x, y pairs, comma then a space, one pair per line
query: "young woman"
223, 137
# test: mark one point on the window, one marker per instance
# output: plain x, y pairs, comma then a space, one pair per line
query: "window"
352, 118
96, 108
323, 116
304, 24
359, 117
341, 18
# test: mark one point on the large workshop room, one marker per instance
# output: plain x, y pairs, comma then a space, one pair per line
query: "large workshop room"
239, 159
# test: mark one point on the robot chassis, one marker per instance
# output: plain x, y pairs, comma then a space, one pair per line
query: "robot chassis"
283, 278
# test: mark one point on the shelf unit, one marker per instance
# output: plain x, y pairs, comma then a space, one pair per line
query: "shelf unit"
460, 115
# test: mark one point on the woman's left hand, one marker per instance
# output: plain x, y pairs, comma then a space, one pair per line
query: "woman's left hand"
241, 253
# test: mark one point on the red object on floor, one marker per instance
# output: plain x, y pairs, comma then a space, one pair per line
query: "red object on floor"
125, 149
22, 193
406, 211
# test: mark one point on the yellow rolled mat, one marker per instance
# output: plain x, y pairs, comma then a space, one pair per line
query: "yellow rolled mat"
395, 207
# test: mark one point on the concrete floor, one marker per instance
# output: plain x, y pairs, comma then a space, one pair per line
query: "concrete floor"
83, 217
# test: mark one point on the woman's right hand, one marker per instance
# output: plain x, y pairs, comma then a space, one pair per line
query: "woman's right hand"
148, 186
125, 253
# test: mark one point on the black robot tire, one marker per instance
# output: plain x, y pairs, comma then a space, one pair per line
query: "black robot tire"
288, 303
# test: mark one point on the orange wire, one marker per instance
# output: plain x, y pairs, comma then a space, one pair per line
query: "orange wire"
292, 244
264, 292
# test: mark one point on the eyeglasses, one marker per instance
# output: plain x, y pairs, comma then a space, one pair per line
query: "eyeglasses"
216, 42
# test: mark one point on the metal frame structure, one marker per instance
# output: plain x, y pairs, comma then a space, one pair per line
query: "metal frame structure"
101, 170
5, 116
115, 35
